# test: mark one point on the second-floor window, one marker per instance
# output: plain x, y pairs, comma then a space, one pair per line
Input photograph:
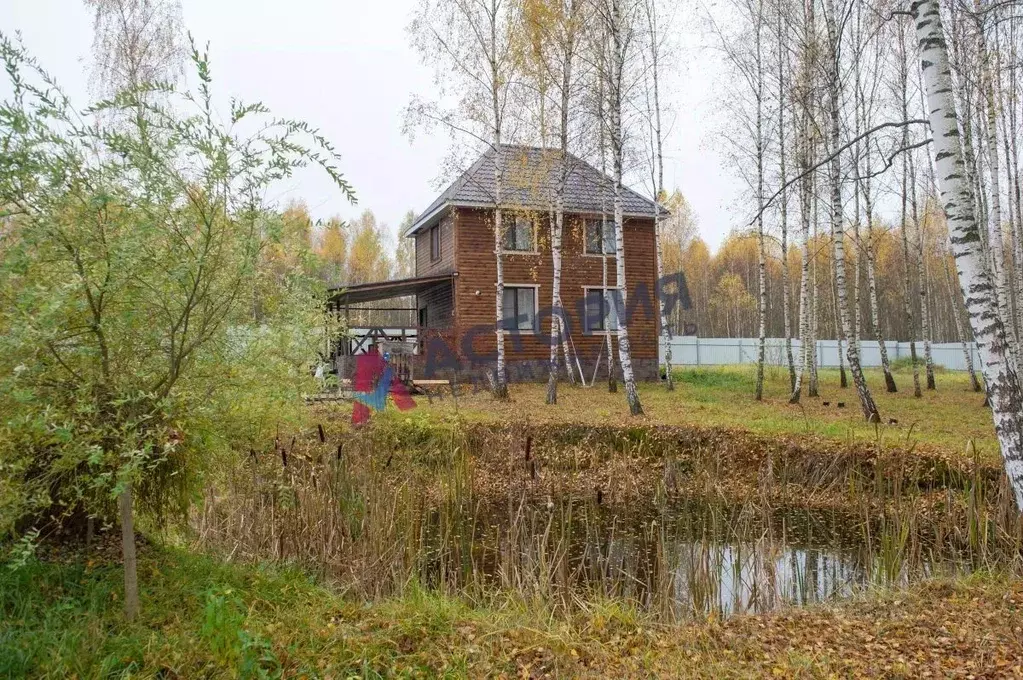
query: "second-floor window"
434, 243
601, 315
519, 308
600, 237
520, 236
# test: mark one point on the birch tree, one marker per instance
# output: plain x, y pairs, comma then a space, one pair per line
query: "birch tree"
978, 289
468, 42
834, 83
657, 171
618, 19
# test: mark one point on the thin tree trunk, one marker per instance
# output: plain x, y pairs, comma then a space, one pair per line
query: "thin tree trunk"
1003, 385
925, 328
875, 318
557, 329
905, 197
960, 333
501, 378
612, 383
805, 205
131, 578
866, 400
558, 326
814, 289
783, 205
996, 241
761, 243
651, 9
843, 380
617, 154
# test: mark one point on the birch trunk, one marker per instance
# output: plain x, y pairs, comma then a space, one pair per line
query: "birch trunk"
558, 327
500, 379
843, 380
783, 205
762, 246
651, 8
875, 318
804, 283
814, 290
925, 328
907, 303
996, 240
617, 158
960, 333
612, 383
866, 400
805, 204
1003, 385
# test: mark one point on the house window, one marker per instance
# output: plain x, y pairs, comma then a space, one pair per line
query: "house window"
598, 243
601, 314
519, 236
434, 243
519, 308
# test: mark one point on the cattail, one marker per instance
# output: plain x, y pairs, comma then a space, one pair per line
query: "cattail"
389, 459
323, 437
339, 451
284, 457
529, 446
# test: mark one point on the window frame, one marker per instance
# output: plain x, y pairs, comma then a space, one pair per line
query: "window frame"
603, 330
511, 230
600, 222
535, 287
434, 237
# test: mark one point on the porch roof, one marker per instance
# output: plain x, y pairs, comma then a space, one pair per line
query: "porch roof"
384, 290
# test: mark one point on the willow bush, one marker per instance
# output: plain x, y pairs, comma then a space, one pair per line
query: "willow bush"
148, 324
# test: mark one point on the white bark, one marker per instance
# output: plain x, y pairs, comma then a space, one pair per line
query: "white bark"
658, 184
977, 287
501, 378
866, 400
615, 91
557, 320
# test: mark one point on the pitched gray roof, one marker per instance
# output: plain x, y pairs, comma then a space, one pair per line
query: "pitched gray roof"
531, 178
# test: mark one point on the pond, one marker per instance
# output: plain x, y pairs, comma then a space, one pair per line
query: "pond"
683, 559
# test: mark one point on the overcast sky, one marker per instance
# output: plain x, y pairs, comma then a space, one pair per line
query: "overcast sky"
346, 66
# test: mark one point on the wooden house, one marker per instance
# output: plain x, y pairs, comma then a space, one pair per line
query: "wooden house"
454, 327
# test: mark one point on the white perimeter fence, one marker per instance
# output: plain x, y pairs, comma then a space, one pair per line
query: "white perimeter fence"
694, 351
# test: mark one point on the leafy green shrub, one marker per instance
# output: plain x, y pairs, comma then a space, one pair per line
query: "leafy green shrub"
154, 317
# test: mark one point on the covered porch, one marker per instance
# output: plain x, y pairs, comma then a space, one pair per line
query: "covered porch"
389, 317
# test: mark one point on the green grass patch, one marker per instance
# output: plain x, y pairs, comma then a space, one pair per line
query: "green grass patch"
202, 618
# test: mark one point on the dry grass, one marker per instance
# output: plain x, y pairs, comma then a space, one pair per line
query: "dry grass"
948, 418
201, 618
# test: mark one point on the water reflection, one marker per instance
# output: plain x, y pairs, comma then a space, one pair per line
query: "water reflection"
684, 560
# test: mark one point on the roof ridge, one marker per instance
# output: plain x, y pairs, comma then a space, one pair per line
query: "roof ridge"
586, 184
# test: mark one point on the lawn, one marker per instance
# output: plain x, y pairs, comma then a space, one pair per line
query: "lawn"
948, 418
203, 618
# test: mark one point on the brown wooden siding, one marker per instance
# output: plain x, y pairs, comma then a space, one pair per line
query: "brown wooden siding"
439, 304
445, 263
477, 275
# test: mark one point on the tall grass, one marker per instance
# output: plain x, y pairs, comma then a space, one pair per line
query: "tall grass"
404, 506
